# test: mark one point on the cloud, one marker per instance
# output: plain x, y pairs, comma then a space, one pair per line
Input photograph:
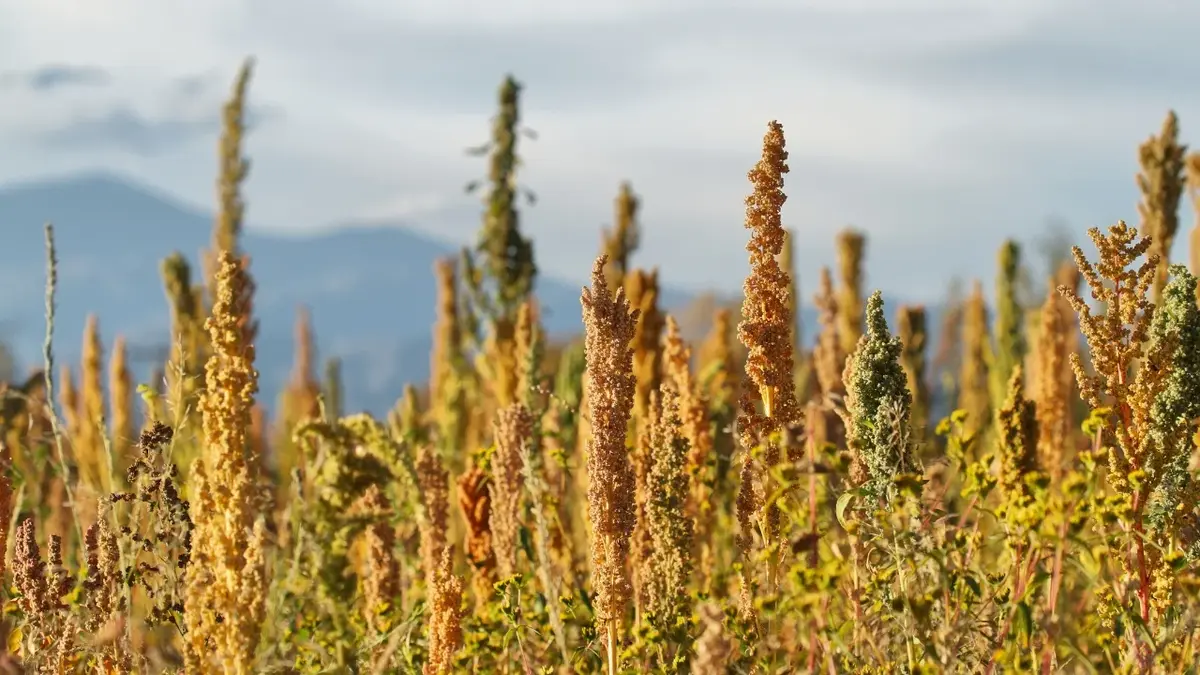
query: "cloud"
405, 207
937, 126
1110, 50
54, 77
181, 111
127, 129
193, 86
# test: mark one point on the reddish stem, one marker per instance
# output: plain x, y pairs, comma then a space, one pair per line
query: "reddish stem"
1055, 583
1018, 590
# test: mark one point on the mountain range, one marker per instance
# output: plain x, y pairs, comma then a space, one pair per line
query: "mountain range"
369, 286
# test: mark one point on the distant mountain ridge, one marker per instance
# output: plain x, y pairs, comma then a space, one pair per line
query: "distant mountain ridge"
370, 286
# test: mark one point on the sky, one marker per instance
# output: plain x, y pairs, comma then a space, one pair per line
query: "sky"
937, 127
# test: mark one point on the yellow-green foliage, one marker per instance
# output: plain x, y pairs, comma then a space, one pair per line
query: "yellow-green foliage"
503, 519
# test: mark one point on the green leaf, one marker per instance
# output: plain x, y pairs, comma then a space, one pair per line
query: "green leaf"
842, 503
1024, 619
148, 394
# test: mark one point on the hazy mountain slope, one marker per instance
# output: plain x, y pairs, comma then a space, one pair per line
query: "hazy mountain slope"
370, 287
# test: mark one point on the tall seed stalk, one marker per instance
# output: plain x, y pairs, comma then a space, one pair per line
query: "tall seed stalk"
610, 324
766, 332
1161, 183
